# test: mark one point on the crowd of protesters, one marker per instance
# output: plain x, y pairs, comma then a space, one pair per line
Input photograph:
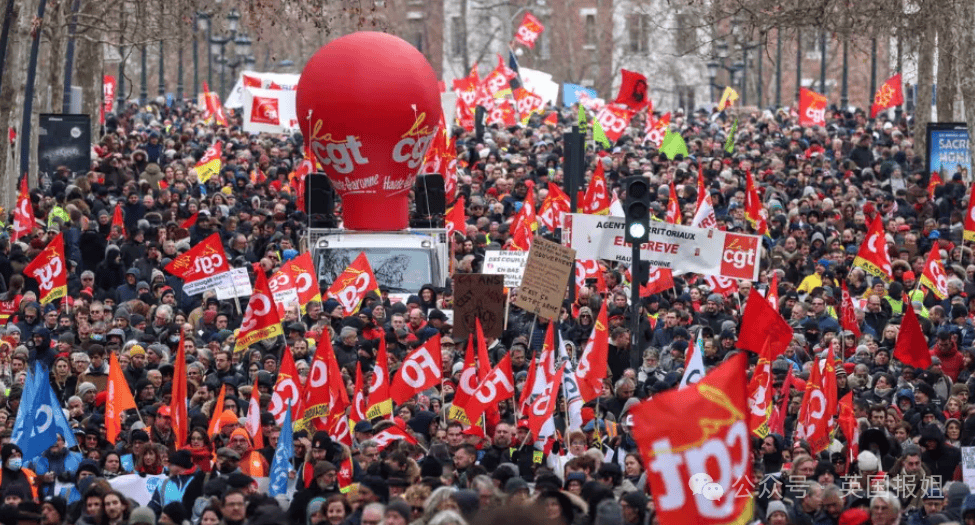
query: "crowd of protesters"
821, 187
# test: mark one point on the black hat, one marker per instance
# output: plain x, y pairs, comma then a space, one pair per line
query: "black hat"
321, 441
182, 458
60, 506
139, 435
378, 487
175, 511
239, 480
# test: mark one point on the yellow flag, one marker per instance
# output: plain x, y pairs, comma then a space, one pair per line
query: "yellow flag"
727, 98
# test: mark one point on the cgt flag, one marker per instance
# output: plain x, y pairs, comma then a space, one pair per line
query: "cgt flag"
50, 272
969, 233
379, 403
633, 91
529, 31
873, 256
206, 259
352, 286
210, 164
934, 277
696, 444
596, 201
261, 319
24, 214
812, 108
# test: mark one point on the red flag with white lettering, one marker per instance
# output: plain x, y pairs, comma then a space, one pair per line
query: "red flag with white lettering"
593, 365
50, 271
24, 213
529, 31
818, 405
203, 260
261, 319
614, 120
287, 390
352, 286
392, 434
760, 392
597, 200
493, 389
700, 431
465, 386
848, 315
542, 408
358, 412
420, 370
934, 277
812, 108
873, 256
379, 401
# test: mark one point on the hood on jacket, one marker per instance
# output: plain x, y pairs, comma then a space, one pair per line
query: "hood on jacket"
932, 433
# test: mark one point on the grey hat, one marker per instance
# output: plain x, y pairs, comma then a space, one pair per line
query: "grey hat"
348, 331
86, 387
609, 512
716, 298
142, 515
775, 506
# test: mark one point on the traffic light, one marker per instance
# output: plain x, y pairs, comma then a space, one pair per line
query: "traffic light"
636, 209
641, 272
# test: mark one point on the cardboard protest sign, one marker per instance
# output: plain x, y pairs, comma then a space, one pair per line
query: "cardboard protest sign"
546, 277
478, 296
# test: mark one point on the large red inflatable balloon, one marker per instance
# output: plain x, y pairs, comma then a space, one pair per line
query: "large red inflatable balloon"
368, 105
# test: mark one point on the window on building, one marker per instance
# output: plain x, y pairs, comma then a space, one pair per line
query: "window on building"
638, 31
686, 35
685, 98
590, 29
458, 38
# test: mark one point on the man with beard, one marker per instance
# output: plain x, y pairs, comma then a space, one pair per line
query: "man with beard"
500, 450
323, 486
910, 477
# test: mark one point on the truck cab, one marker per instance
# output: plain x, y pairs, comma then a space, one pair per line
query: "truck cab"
402, 261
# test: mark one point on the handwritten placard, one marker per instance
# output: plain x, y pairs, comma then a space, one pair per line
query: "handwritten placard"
546, 276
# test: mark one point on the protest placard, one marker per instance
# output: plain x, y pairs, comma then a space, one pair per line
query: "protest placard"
546, 276
478, 296
510, 264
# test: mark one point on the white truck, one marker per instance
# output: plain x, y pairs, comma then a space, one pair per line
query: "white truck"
403, 261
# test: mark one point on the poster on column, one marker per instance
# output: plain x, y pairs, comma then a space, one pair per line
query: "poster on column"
947, 150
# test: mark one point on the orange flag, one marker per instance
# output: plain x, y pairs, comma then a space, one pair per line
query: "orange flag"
119, 400
214, 426
177, 407
118, 221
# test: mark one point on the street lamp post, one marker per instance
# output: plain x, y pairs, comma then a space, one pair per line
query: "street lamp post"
822, 62
845, 90
778, 68
144, 88
798, 62
218, 45
121, 81
712, 74
162, 69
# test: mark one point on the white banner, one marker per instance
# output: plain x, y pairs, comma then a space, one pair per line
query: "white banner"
270, 111
236, 283
285, 81
681, 248
510, 264
138, 488
540, 83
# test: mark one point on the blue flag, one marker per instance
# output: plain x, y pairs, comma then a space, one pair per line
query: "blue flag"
281, 464
571, 93
40, 418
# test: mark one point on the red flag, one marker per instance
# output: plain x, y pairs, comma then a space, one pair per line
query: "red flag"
214, 109
542, 408
760, 392
493, 389
552, 119
50, 272
206, 259
420, 370
528, 103
589, 269
190, 221
890, 94
683, 433
848, 315
818, 405
911, 347
673, 207
773, 292
529, 30
301, 270
214, 425
850, 427
455, 220
554, 207
253, 416
526, 391
118, 401
593, 365
465, 386
24, 214
812, 108
358, 412
392, 434
380, 403
450, 172
345, 475
969, 233
759, 321
597, 193
118, 221
659, 280
873, 256
352, 286
656, 130
614, 120
287, 390
177, 407
934, 277
503, 114
261, 320
521, 240
633, 90
933, 183
755, 213
433, 158
316, 406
